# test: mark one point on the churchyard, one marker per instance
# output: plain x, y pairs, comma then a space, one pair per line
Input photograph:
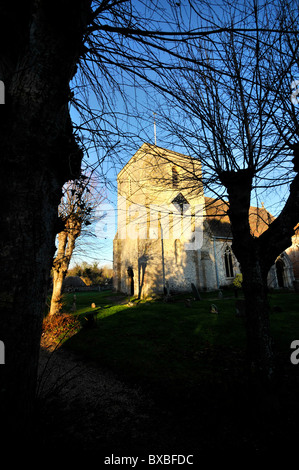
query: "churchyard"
179, 341
187, 367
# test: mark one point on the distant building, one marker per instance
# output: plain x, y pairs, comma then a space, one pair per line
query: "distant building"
170, 235
71, 283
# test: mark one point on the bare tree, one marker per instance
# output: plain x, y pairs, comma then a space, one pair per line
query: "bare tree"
77, 210
60, 52
237, 117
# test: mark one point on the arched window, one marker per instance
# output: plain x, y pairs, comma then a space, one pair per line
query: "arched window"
130, 272
280, 272
228, 262
175, 178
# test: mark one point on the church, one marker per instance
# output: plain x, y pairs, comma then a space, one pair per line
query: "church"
170, 236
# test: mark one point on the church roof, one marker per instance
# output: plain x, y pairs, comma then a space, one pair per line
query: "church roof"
219, 223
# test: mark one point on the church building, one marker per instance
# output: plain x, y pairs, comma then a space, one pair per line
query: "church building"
170, 236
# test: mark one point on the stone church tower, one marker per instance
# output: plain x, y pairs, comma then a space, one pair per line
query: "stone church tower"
169, 235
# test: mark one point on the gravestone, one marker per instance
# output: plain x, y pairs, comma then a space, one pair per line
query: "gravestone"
214, 309
74, 306
195, 292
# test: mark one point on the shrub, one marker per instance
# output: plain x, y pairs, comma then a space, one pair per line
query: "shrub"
59, 327
237, 282
91, 274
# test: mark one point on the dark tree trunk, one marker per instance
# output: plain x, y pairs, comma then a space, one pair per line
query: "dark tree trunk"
259, 340
256, 256
27, 247
254, 270
38, 154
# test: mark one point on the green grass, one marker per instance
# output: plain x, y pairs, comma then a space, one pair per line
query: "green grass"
85, 299
159, 343
187, 368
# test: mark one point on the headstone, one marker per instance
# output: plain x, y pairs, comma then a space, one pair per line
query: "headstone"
74, 306
213, 309
195, 291
93, 305
220, 294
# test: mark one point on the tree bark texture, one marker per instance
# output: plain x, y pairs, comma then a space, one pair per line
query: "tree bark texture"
259, 348
38, 154
259, 340
66, 245
256, 256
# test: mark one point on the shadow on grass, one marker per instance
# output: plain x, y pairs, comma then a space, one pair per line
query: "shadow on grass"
159, 343
190, 367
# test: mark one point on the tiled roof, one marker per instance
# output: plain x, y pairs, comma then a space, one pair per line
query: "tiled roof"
219, 223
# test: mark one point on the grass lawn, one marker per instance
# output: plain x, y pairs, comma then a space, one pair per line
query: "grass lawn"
188, 365
169, 344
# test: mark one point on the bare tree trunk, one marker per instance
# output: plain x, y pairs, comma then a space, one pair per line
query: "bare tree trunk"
259, 340
56, 300
59, 273
27, 246
257, 310
254, 269
66, 245
256, 256
38, 154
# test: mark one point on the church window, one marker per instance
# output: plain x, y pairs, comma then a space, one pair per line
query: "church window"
180, 201
228, 261
175, 178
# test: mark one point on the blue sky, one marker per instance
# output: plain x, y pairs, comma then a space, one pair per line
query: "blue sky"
136, 125
100, 249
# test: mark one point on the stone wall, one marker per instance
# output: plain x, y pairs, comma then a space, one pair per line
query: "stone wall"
152, 245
